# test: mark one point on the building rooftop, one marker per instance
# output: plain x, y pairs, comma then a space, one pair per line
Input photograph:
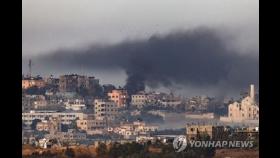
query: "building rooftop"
32, 78
53, 111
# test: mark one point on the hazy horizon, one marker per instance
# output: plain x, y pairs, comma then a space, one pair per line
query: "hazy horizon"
52, 26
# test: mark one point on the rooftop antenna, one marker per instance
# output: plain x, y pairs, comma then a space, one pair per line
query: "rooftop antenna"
30, 66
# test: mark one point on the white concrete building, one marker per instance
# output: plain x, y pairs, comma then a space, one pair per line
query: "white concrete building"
104, 109
92, 126
244, 111
131, 130
65, 117
69, 136
139, 99
76, 104
170, 102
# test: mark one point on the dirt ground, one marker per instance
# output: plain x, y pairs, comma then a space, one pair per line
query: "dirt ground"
28, 150
236, 153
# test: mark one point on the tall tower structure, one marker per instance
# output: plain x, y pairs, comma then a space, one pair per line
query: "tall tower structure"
29, 68
252, 92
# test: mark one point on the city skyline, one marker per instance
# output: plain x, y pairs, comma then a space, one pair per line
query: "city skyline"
76, 27
123, 78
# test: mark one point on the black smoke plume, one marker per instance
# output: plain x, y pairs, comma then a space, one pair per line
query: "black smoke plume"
197, 57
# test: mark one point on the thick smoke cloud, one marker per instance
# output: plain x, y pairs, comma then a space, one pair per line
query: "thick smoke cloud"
197, 57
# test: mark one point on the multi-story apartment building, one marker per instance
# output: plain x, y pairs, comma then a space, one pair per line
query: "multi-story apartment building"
52, 125
139, 99
65, 117
170, 100
43, 126
31, 102
75, 104
71, 83
39, 101
26, 103
105, 109
247, 132
68, 83
197, 103
91, 82
28, 82
198, 131
132, 130
155, 98
119, 96
52, 81
70, 136
81, 81
92, 126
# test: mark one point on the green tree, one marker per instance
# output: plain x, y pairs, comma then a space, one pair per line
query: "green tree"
115, 150
69, 152
101, 150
